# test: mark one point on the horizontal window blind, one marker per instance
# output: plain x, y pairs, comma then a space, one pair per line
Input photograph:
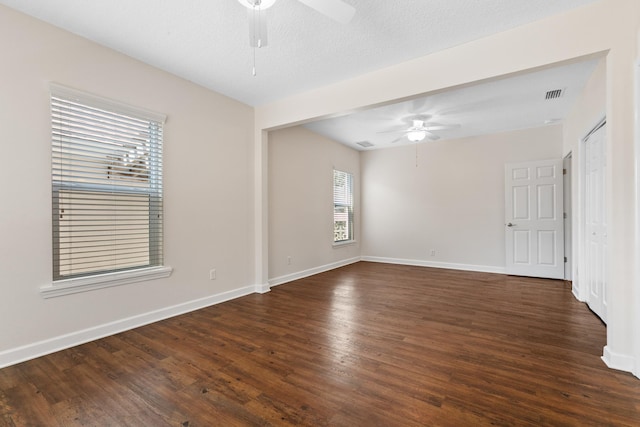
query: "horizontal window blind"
342, 206
107, 187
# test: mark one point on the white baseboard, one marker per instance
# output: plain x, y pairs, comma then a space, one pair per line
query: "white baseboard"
576, 292
621, 362
446, 265
41, 348
262, 289
310, 272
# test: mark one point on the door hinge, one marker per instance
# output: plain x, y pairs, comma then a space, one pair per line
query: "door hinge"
564, 215
565, 259
564, 171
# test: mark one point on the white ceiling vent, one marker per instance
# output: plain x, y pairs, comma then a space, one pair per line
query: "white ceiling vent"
554, 94
365, 144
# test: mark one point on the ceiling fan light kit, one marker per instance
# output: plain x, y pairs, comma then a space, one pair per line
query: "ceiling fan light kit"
416, 135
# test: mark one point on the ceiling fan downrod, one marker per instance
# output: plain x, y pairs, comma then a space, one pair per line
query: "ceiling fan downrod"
337, 10
257, 25
262, 4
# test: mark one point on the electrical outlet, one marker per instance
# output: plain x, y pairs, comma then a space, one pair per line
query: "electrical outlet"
212, 274
289, 260
433, 252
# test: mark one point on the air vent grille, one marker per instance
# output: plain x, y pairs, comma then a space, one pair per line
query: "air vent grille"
554, 94
365, 144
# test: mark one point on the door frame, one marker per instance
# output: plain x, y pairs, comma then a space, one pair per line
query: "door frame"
567, 165
580, 287
636, 343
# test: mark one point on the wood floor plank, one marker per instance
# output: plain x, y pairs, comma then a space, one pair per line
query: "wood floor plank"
364, 345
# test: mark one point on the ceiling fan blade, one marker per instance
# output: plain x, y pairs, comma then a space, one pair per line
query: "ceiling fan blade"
397, 139
435, 126
257, 27
432, 136
395, 130
335, 9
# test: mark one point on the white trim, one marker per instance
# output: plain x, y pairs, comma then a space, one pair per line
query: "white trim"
636, 302
621, 362
445, 265
567, 209
41, 348
262, 288
99, 281
310, 272
351, 180
575, 290
344, 243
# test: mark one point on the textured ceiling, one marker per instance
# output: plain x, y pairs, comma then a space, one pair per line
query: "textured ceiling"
206, 41
511, 103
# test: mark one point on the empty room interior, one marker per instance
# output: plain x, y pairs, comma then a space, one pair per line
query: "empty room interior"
303, 212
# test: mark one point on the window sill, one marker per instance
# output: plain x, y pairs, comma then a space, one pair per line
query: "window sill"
90, 283
345, 243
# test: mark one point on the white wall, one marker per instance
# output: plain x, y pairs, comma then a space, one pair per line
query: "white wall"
606, 26
451, 202
208, 190
301, 166
589, 109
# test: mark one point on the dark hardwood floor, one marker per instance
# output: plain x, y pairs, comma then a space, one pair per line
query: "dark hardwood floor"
364, 345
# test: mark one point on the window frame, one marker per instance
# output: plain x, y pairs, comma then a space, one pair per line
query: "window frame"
349, 205
81, 282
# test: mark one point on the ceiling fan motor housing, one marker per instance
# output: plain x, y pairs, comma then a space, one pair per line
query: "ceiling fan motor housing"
261, 4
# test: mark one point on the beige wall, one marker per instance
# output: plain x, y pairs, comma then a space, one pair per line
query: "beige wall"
451, 202
212, 157
208, 190
301, 166
606, 26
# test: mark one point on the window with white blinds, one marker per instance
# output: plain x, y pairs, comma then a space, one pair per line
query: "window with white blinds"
342, 206
107, 186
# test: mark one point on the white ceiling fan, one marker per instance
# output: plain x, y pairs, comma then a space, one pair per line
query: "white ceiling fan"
419, 128
335, 9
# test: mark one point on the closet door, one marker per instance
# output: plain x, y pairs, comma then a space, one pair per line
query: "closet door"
595, 221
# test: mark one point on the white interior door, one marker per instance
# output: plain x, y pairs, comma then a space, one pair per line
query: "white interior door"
533, 219
595, 222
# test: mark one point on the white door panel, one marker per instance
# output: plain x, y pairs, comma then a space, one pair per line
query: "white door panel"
533, 219
546, 247
521, 247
